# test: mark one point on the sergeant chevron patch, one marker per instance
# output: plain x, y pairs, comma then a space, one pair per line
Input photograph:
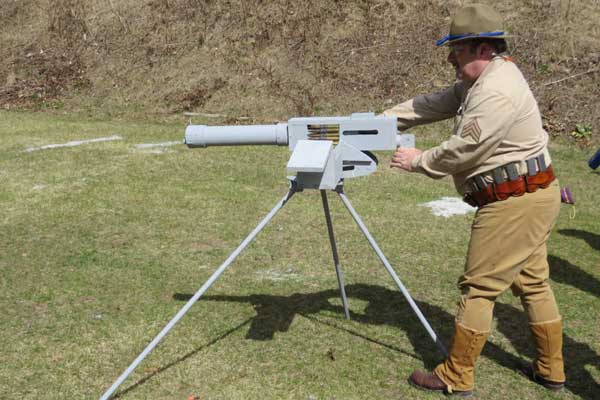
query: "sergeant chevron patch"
472, 130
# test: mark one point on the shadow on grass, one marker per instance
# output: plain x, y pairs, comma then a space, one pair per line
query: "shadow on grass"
591, 239
385, 306
180, 359
511, 322
564, 272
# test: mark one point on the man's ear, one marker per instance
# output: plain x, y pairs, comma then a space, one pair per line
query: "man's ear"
486, 51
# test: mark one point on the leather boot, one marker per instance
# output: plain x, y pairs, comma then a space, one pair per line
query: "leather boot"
548, 364
458, 370
429, 381
528, 372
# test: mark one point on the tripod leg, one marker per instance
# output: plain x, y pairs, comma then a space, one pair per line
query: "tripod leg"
392, 273
336, 260
196, 296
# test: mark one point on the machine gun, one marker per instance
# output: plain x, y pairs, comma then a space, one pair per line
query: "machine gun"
325, 151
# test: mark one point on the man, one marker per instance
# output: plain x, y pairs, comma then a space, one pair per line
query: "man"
499, 161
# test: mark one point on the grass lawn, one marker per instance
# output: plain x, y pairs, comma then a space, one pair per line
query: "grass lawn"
102, 243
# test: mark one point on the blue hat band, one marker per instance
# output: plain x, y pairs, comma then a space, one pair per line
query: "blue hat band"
468, 35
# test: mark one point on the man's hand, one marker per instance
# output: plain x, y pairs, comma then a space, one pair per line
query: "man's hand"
403, 158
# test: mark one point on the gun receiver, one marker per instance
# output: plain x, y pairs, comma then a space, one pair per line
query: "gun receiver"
325, 150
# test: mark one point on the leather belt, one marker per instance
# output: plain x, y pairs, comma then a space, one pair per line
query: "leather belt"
501, 191
521, 167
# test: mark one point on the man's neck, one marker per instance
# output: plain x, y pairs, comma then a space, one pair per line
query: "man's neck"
480, 66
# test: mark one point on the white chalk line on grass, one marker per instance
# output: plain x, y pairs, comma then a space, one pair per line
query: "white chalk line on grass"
448, 206
74, 143
153, 145
157, 148
149, 147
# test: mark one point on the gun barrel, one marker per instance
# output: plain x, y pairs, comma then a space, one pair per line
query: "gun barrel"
203, 135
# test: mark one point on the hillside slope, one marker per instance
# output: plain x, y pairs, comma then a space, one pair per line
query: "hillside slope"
272, 60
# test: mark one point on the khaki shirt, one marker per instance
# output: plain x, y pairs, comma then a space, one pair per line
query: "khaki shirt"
497, 121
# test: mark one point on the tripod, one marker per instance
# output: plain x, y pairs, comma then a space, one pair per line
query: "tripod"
295, 187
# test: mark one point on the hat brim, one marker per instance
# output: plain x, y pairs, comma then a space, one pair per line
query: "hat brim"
457, 38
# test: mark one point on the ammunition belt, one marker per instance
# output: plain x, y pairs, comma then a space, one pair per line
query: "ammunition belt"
501, 189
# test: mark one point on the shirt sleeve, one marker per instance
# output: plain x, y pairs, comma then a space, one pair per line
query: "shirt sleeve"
486, 121
428, 108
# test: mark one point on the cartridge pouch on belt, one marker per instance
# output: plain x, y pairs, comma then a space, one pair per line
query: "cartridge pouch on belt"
507, 182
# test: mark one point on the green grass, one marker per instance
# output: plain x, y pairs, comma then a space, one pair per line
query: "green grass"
101, 244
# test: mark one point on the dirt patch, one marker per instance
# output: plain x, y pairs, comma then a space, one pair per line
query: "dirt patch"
196, 96
40, 78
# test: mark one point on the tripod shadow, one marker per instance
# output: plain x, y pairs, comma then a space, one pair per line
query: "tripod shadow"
386, 306
564, 272
276, 314
577, 355
592, 239
179, 360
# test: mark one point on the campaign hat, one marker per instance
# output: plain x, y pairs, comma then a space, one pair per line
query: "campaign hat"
474, 21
